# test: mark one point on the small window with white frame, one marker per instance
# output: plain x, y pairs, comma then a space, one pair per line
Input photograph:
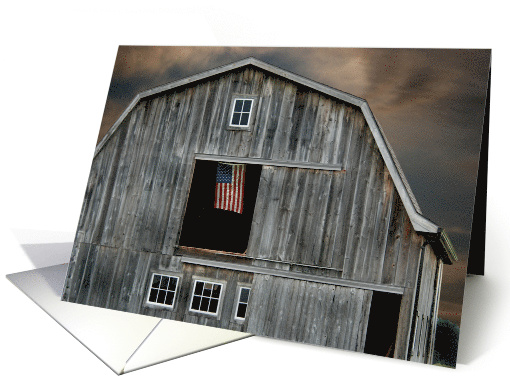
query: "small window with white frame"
206, 297
241, 112
243, 296
163, 290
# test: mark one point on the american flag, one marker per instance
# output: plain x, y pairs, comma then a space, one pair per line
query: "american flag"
230, 187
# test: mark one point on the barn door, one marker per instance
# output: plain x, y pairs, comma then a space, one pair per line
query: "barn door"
382, 324
296, 215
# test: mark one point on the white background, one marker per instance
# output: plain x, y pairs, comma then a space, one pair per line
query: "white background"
56, 63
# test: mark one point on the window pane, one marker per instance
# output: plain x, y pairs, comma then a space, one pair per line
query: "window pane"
244, 119
196, 303
245, 293
235, 118
164, 282
213, 306
169, 298
204, 304
173, 283
153, 295
161, 297
241, 310
155, 281
203, 301
199, 287
238, 105
216, 291
247, 105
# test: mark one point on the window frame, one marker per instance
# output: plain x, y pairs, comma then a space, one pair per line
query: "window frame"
251, 117
176, 291
195, 280
240, 287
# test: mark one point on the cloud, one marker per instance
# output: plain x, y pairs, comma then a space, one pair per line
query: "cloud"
155, 61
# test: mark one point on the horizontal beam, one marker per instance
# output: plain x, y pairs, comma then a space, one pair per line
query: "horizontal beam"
293, 275
269, 162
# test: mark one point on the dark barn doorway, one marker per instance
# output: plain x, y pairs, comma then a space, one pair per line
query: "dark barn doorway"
207, 227
383, 324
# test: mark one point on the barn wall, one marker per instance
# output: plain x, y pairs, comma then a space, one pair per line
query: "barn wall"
328, 219
156, 162
120, 279
149, 164
155, 166
282, 308
349, 223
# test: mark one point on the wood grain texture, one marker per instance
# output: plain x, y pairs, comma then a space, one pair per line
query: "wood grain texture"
342, 217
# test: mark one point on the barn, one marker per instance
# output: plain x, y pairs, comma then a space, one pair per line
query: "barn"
251, 198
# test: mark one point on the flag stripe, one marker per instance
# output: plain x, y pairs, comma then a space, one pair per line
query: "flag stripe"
241, 192
238, 198
231, 190
233, 199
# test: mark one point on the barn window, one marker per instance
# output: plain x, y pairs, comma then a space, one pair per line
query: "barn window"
206, 297
241, 115
242, 303
241, 112
220, 221
162, 290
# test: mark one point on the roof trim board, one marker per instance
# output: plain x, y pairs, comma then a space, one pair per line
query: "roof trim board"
419, 222
268, 162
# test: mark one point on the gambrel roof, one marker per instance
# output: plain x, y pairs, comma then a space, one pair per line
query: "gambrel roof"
420, 223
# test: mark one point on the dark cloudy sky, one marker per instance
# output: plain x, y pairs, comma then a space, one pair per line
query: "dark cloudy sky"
429, 102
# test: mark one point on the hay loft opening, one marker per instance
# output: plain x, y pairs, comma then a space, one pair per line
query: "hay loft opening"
220, 220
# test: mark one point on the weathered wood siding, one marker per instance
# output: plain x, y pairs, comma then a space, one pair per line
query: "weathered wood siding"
152, 169
282, 308
138, 188
349, 222
342, 220
309, 312
425, 313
